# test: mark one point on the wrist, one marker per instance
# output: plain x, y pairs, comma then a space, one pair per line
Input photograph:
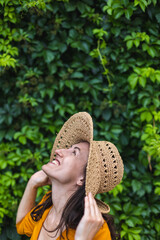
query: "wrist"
32, 184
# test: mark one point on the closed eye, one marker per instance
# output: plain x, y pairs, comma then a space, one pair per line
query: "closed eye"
74, 152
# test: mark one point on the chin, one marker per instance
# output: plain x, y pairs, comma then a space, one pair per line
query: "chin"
49, 172
44, 168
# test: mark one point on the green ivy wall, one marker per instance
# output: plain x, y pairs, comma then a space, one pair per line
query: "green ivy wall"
61, 57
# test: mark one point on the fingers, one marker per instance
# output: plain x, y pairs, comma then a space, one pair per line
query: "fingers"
92, 210
92, 204
91, 221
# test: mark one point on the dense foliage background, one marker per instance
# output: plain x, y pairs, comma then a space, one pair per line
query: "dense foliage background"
62, 57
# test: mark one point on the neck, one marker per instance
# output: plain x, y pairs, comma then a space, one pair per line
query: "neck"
60, 195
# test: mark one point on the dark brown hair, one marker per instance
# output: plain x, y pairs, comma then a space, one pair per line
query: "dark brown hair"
72, 213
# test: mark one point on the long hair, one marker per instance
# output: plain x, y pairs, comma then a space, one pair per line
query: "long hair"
72, 214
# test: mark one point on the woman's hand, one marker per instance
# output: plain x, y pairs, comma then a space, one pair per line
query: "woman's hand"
91, 221
39, 179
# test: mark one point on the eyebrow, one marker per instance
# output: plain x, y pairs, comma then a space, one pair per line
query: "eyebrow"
77, 148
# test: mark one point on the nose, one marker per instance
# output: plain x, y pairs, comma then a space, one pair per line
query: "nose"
59, 152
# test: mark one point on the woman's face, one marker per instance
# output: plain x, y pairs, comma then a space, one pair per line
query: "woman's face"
68, 165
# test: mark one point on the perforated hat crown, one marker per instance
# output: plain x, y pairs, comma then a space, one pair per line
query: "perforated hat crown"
104, 167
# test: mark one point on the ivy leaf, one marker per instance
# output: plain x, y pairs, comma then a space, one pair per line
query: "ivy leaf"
142, 81
49, 56
152, 52
146, 116
118, 13
133, 80
22, 139
129, 44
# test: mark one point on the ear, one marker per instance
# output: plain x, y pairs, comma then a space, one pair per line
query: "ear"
80, 181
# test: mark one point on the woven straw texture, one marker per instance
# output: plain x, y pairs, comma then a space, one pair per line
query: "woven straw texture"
109, 164
78, 128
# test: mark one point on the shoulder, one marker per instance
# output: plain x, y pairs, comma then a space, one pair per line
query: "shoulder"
45, 197
37, 212
27, 224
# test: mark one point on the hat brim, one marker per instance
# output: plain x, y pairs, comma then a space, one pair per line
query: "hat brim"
78, 128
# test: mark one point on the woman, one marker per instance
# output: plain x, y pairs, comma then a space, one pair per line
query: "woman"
79, 168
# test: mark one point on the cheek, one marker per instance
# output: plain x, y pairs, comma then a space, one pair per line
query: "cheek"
74, 168
80, 167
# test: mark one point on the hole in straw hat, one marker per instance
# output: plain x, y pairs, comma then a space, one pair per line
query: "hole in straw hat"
105, 171
104, 165
109, 148
107, 144
113, 156
115, 167
115, 172
104, 160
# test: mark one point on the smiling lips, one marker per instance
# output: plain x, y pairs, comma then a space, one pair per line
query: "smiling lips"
56, 162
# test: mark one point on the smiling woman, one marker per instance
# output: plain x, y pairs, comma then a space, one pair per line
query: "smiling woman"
60, 170
78, 169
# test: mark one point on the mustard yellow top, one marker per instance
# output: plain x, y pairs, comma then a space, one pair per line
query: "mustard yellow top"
32, 229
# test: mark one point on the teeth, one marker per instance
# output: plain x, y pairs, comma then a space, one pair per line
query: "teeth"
55, 162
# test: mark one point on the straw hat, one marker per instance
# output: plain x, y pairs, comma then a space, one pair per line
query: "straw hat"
104, 166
